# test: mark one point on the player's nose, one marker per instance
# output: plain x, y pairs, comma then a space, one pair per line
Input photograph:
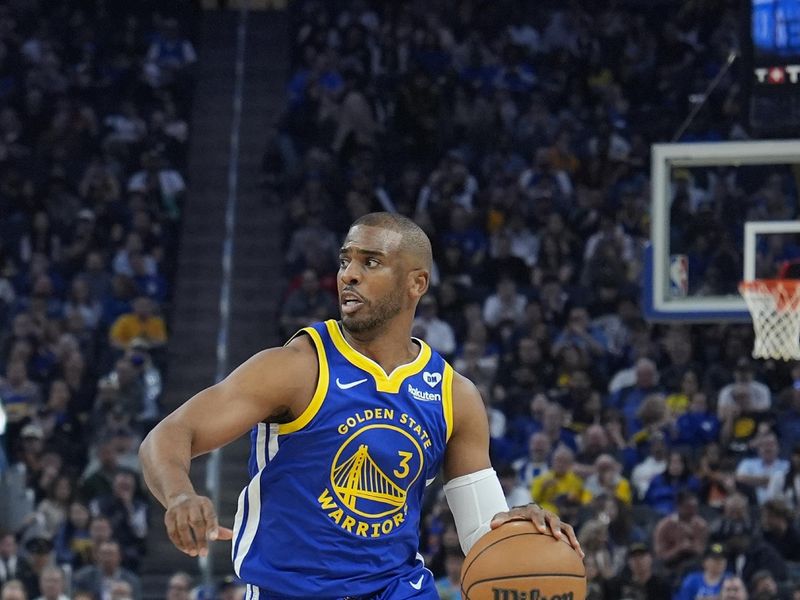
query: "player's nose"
350, 274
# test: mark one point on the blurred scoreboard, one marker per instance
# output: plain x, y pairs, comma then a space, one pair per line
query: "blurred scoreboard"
772, 52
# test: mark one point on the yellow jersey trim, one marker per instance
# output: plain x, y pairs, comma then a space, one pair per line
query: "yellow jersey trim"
447, 399
322, 386
383, 382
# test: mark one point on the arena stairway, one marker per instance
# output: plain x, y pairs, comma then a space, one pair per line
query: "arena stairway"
257, 257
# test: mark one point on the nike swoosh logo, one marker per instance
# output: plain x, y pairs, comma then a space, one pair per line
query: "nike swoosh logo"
417, 585
352, 384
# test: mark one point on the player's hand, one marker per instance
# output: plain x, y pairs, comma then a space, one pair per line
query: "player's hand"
191, 523
545, 521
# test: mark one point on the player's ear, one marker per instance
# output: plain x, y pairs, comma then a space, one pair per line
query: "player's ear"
419, 281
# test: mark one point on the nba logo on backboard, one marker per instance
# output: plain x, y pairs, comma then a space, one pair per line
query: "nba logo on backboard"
678, 275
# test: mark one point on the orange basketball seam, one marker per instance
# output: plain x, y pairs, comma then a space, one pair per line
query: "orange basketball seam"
465, 593
467, 567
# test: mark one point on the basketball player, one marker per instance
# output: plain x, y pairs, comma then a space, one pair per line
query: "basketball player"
348, 423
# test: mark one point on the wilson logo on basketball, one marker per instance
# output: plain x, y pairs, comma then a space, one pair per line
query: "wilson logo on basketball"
534, 594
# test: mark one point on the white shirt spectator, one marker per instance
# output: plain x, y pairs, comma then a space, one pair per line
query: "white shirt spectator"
760, 397
757, 473
504, 305
777, 489
437, 333
645, 472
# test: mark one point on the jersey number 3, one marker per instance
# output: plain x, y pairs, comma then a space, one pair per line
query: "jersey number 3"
403, 470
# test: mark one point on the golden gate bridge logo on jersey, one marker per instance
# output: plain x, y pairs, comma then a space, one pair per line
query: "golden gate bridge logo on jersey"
369, 480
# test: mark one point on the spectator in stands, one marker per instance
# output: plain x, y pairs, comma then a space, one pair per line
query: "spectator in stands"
756, 473
789, 416
759, 398
13, 567
179, 586
13, 589
537, 461
560, 488
99, 475
607, 479
779, 530
708, 582
593, 537
698, 426
639, 581
628, 399
678, 400
436, 332
306, 304
764, 587
747, 551
142, 322
581, 400
449, 586
99, 578
664, 488
52, 584
516, 492
786, 486
21, 396
506, 304
717, 477
733, 588
52, 510
40, 554
553, 426
127, 515
652, 465
680, 538
579, 333
72, 543
594, 442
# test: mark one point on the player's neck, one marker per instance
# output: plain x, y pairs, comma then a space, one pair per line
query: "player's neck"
391, 346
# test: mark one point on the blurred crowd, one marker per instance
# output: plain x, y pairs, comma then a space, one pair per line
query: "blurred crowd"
517, 134
94, 97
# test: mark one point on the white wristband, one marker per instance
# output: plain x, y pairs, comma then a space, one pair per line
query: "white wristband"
474, 499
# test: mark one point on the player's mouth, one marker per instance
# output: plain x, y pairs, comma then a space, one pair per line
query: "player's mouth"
350, 302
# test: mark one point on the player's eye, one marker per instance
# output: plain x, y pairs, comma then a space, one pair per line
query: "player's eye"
372, 262
342, 263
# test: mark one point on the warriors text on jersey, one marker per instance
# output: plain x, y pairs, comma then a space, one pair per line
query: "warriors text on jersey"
333, 505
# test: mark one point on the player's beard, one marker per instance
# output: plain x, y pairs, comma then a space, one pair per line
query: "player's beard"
373, 316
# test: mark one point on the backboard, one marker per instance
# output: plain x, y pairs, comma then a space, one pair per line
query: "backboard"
703, 195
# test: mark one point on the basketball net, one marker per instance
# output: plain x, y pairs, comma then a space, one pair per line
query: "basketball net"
775, 307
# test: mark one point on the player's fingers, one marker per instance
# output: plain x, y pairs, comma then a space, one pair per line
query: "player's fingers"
223, 533
572, 538
553, 525
178, 533
210, 517
515, 514
197, 521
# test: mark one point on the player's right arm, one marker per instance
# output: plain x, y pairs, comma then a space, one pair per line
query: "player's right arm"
273, 385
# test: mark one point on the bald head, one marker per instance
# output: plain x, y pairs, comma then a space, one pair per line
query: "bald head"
414, 242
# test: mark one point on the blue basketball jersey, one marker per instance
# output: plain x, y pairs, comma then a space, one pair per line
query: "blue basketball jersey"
333, 505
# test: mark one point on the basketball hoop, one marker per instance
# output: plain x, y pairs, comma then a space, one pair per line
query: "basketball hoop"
775, 307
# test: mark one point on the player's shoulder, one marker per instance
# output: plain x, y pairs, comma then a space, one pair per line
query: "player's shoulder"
463, 387
467, 399
296, 356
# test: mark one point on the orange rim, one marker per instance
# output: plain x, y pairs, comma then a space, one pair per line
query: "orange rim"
785, 291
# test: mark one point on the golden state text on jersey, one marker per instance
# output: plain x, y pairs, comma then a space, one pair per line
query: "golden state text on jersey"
332, 508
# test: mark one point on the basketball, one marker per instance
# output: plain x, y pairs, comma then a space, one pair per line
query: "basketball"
516, 562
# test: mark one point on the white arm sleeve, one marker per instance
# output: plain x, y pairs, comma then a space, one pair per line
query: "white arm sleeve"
474, 499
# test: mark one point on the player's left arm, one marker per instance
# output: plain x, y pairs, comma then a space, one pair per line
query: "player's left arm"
472, 488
